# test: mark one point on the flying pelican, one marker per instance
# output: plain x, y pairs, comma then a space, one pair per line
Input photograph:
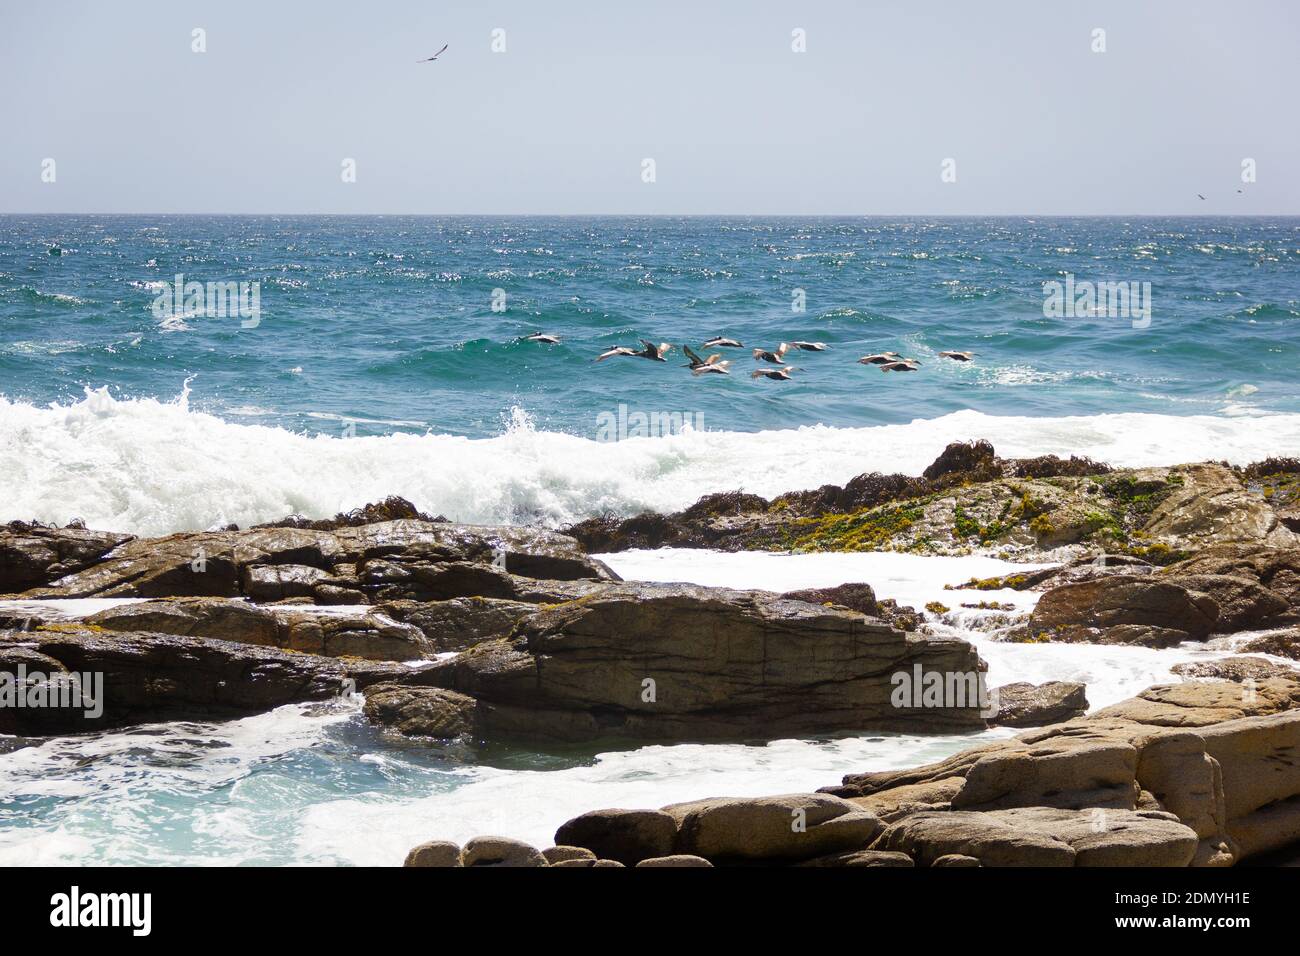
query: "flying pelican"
773, 357
906, 365
695, 363
721, 342
958, 356
810, 346
651, 351
880, 358
780, 374
716, 368
436, 55
542, 337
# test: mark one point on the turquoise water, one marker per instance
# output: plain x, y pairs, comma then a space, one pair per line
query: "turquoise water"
388, 321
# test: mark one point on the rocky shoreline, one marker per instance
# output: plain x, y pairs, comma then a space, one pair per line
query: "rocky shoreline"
487, 634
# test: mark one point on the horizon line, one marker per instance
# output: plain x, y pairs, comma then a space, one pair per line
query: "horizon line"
692, 215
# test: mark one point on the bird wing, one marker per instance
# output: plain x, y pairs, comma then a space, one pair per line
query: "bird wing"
714, 359
616, 350
783, 348
690, 354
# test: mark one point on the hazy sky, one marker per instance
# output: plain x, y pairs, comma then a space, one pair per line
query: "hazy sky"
735, 121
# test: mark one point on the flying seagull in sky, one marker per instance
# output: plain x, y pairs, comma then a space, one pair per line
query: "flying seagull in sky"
436, 55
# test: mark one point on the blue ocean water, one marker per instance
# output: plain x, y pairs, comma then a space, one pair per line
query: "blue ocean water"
379, 365
388, 321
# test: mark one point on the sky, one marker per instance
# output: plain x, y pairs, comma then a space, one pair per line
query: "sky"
736, 122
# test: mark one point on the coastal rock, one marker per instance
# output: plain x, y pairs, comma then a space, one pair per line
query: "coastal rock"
558, 854
628, 836
1277, 569
500, 851
686, 662
1243, 603
1042, 836
858, 597
421, 711
459, 623
33, 554
1285, 643
1235, 669
364, 634
676, 860
1212, 505
1124, 599
149, 677
789, 827
1033, 705
388, 560
862, 858
438, 853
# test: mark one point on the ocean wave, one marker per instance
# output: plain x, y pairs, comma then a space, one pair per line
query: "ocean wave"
151, 467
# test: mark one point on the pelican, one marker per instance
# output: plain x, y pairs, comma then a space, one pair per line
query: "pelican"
716, 368
720, 342
906, 365
779, 374
651, 351
773, 357
958, 356
810, 346
436, 55
695, 363
542, 337
880, 358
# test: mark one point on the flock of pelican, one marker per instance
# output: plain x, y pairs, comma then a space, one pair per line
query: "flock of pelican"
715, 364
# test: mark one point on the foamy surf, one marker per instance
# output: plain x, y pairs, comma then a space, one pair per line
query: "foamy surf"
152, 467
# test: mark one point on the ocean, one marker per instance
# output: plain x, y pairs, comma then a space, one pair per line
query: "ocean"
377, 365
386, 358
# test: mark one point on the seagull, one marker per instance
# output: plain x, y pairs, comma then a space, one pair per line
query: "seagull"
542, 337
810, 346
695, 363
906, 365
436, 55
720, 342
958, 356
651, 351
880, 358
773, 357
779, 374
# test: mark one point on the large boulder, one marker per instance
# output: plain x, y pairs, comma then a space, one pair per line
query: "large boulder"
1042, 836
628, 836
1033, 705
1124, 600
798, 826
34, 554
421, 711
685, 662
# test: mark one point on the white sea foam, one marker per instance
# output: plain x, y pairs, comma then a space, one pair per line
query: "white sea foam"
151, 467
